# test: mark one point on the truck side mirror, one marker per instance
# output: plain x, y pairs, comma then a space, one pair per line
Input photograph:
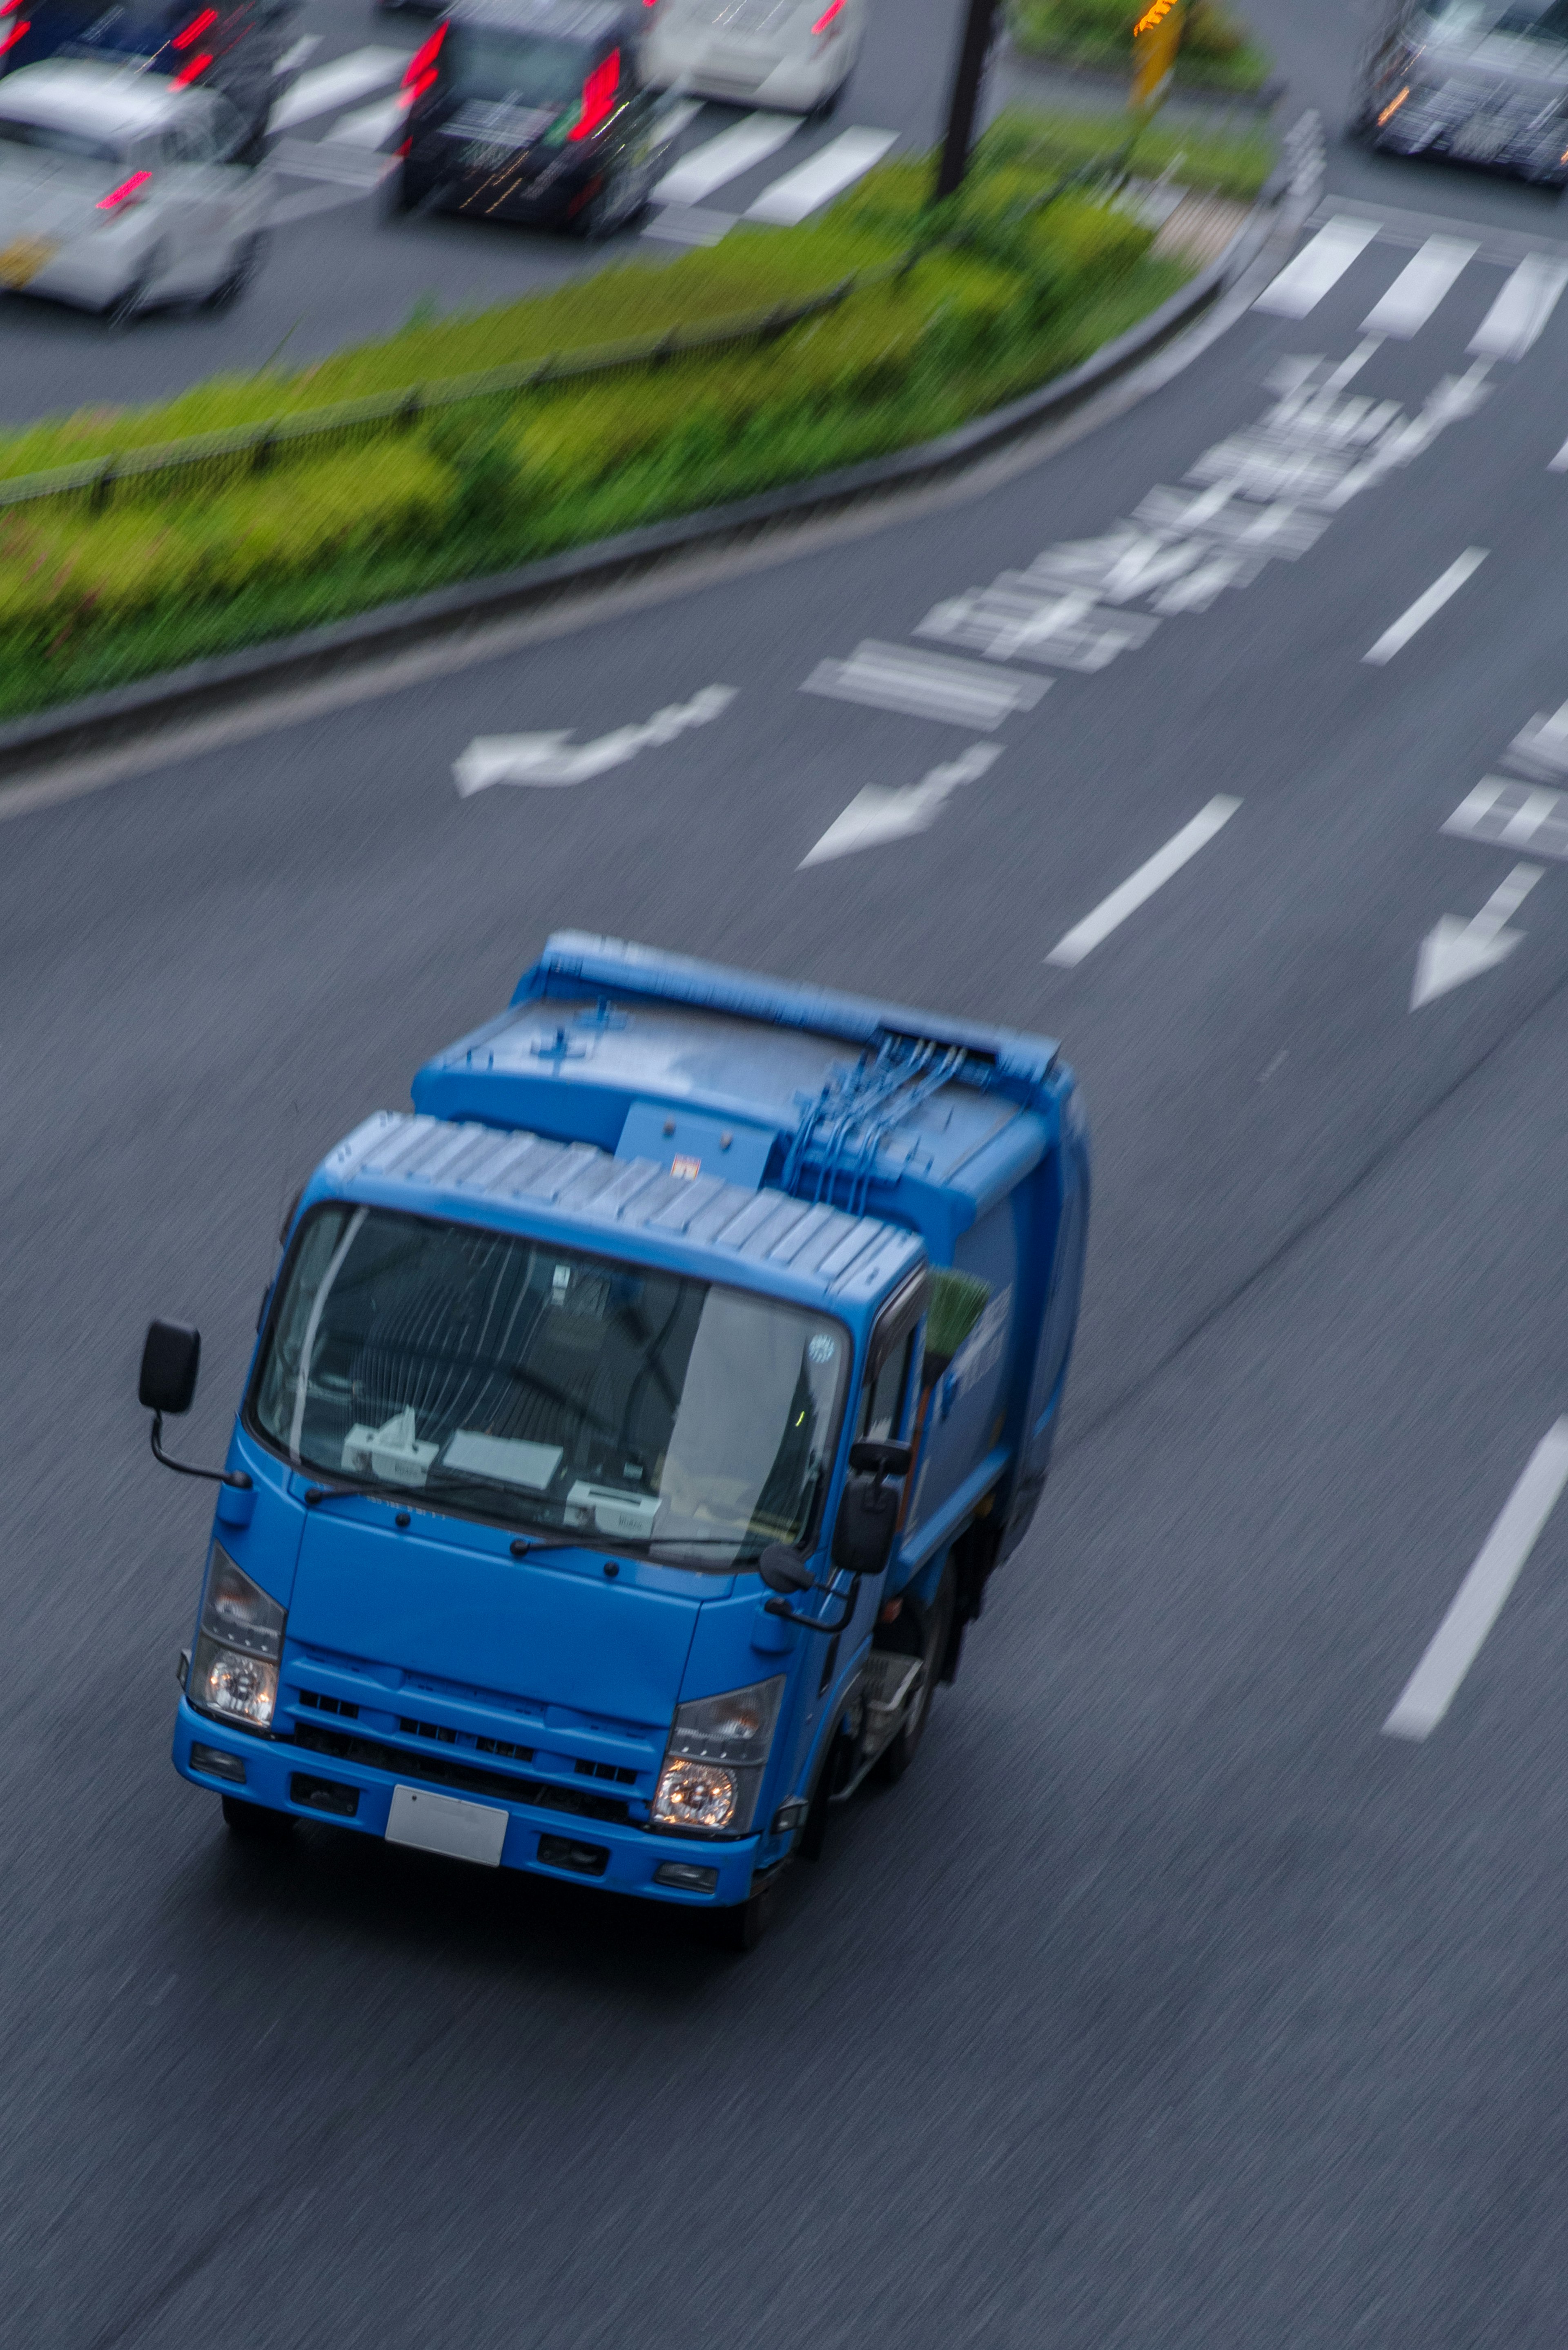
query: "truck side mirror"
783, 1569
169, 1361
866, 1522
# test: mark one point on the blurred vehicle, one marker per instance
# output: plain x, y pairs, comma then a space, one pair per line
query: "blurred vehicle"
795, 55
532, 110
634, 1427
118, 190
236, 46
1479, 81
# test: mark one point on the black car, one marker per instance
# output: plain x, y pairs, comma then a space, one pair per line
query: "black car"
1474, 81
532, 110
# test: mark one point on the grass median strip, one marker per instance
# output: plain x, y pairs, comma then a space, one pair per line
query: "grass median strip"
997, 298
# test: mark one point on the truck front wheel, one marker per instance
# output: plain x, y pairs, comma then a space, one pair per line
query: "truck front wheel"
743, 1925
253, 1822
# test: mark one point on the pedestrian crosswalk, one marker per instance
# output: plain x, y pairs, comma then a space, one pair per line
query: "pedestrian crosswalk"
352, 154
1513, 323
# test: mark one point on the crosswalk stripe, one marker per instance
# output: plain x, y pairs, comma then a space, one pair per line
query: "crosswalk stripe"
327, 85
1302, 282
724, 158
320, 159
1419, 288
925, 685
822, 175
1521, 310
367, 126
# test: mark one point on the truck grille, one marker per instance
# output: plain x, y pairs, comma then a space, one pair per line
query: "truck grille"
436, 1770
331, 1705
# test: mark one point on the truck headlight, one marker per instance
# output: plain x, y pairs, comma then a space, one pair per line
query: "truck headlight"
234, 1671
713, 1765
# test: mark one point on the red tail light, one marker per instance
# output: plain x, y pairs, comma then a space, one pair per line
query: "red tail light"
598, 97
15, 35
197, 26
420, 73
192, 71
126, 194
835, 9
7, 7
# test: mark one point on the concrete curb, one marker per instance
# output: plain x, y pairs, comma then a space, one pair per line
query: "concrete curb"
114, 718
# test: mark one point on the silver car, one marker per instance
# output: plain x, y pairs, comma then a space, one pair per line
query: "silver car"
1479, 81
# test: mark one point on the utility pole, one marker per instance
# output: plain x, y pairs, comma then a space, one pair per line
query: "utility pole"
974, 47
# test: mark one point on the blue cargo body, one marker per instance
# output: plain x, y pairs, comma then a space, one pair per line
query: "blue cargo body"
634, 1427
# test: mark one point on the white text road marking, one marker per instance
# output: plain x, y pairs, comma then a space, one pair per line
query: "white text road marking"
339, 84
1453, 951
878, 813
827, 173
552, 760
1505, 814
1394, 639
1456, 1643
925, 685
726, 158
1521, 310
1302, 282
1419, 288
1111, 912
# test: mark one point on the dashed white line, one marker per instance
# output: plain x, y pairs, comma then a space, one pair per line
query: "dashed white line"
1455, 1646
1111, 912
1318, 267
1395, 639
1419, 288
821, 177
1521, 310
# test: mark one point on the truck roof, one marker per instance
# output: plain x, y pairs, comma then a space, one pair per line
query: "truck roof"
438, 1168
707, 1071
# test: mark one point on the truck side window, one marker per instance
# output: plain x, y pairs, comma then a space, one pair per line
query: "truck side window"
882, 1398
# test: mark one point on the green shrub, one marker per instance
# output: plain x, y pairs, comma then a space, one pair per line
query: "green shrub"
1214, 47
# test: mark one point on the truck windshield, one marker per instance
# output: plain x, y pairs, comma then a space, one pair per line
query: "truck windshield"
542, 1387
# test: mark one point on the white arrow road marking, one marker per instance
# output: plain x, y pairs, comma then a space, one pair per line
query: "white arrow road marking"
554, 759
1477, 1603
877, 815
1454, 950
1396, 639
1111, 912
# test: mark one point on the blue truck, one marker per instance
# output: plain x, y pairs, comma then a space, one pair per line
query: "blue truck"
633, 1427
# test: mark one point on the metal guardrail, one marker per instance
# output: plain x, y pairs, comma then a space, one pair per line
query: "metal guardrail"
201, 461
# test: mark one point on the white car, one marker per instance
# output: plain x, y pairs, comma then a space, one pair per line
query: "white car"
792, 54
117, 190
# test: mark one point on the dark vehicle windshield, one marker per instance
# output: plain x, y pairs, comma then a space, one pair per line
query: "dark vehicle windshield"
1539, 20
541, 1387
517, 69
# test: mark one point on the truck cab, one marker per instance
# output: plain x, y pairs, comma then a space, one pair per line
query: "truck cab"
633, 1427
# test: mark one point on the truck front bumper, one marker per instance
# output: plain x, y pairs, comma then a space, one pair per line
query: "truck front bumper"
291, 1779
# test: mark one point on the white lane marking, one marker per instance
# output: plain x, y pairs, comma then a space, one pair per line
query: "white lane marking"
726, 158
1454, 950
672, 124
1111, 912
552, 760
352, 77
1501, 814
320, 200
1541, 748
1347, 370
690, 225
1419, 288
292, 60
1455, 1646
822, 176
879, 815
925, 685
367, 126
1521, 310
315, 159
1560, 462
1394, 639
1318, 266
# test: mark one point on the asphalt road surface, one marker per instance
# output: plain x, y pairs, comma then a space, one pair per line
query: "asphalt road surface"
1170, 2003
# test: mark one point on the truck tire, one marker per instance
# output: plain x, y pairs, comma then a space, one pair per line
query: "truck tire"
253, 1824
742, 1927
925, 1635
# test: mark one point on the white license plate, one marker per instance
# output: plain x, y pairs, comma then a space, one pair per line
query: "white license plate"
446, 1823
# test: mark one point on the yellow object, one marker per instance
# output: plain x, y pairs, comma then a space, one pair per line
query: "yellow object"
21, 260
1157, 36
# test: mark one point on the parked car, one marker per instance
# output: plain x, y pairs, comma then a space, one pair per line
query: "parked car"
1480, 81
532, 110
118, 191
795, 55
